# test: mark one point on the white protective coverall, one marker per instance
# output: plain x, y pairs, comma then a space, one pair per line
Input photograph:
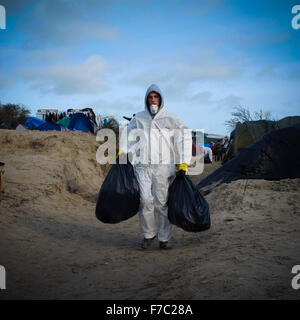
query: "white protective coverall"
154, 178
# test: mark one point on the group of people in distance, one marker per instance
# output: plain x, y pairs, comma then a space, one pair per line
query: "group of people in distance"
219, 149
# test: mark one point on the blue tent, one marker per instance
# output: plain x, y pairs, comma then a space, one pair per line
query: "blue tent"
204, 144
80, 121
33, 123
49, 126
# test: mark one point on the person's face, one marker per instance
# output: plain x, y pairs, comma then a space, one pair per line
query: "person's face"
153, 98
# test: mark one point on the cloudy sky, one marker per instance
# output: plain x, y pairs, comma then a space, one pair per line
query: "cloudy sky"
207, 56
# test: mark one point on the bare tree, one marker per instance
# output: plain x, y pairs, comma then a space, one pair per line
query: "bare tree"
242, 114
260, 115
13, 114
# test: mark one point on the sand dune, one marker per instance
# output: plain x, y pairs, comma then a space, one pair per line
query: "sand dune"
53, 247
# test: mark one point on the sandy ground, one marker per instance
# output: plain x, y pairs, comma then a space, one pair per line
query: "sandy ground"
53, 247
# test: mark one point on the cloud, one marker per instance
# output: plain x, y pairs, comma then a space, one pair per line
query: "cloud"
45, 56
263, 39
67, 78
68, 33
201, 81
146, 77
293, 72
201, 7
208, 69
25, 57
228, 101
63, 22
5, 81
206, 98
119, 107
179, 74
14, 7
267, 71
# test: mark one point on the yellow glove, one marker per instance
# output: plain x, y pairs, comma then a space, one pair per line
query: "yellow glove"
119, 153
183, 167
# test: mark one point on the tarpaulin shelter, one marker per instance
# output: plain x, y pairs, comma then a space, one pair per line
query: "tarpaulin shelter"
49, 126
64, 122
274, 156
248, 132
81, 122
33, 122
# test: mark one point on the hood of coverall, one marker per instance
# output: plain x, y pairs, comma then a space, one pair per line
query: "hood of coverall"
156, 89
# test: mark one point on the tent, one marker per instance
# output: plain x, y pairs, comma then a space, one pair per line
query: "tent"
20, 127
274, 156
33, 122
49, 126
78, 121
81, 122
64, 122
248, 132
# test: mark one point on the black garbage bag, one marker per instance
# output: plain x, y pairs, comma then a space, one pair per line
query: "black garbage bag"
119, 195
187, 208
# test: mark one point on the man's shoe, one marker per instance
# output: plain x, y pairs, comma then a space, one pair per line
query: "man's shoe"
164, 245
146, 243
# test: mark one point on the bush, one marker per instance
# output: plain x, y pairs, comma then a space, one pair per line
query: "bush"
12, 114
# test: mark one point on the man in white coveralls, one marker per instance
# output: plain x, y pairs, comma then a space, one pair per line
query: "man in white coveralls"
155, 168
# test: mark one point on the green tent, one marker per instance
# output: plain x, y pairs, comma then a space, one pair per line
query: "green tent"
64, 122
